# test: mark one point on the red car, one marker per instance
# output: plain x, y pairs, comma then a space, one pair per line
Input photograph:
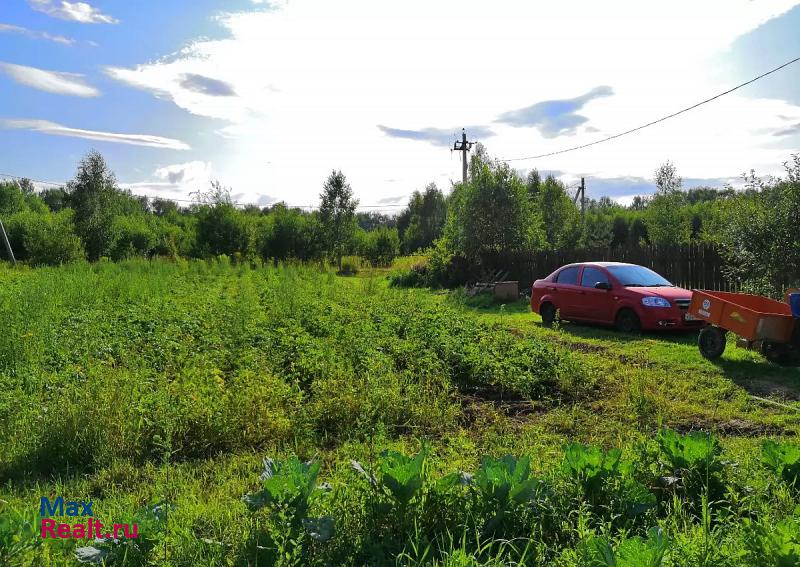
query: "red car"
628, 296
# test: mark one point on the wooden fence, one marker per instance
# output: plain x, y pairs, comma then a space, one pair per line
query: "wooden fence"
692, 266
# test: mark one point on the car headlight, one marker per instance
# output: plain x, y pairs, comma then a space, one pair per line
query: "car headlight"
655, 302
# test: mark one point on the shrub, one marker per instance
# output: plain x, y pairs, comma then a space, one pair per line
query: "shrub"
381, 246
350, 266
222, 229
133, 236
44, 238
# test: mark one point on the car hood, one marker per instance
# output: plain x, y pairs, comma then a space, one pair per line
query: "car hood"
665, 292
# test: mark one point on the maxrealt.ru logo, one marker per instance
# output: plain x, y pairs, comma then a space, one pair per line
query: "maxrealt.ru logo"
90, 528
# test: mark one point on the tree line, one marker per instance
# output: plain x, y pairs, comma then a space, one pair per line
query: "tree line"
497, 211
92, 218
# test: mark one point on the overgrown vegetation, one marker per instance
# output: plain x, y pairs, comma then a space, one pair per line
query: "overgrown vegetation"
287, 416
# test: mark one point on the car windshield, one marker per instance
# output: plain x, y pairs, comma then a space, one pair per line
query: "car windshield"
637, 276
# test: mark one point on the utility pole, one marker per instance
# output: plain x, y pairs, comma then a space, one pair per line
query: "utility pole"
581, 192
463, 146
8, 244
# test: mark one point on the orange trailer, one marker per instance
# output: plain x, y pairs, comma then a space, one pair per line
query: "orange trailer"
762, 323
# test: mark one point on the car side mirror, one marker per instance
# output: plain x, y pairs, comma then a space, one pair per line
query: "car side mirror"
603, 285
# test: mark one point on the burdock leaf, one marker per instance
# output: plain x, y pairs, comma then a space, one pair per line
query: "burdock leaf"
90, 555
320, 529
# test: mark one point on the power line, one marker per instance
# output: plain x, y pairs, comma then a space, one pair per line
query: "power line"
662, 119
195, 202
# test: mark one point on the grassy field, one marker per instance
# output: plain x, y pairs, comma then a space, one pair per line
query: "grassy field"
440, 429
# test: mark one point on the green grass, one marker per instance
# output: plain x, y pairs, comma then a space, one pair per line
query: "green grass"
140, 383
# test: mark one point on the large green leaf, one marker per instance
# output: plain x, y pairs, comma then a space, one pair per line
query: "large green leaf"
694, 452
402, 475
289, 483
782, 458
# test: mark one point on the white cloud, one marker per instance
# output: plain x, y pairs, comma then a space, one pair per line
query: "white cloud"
73, 11
49, 81
190, 172
8, 28
313, 81
54, 129
179, 180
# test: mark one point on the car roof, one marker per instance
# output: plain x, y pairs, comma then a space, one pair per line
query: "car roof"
601, 264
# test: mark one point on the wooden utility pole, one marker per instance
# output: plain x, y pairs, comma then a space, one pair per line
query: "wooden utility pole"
8, 244
464, 147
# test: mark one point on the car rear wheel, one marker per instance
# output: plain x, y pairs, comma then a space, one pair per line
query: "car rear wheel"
711, 342
548, 313
628, 321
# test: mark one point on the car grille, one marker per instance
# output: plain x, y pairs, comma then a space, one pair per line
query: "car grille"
682, 303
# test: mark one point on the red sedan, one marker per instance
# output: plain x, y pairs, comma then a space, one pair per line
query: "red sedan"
628, 296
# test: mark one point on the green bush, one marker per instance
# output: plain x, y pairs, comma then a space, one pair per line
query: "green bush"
44, 239
381, 246
223, 229
133, 236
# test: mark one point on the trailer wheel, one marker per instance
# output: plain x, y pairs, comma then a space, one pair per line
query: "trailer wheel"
711, 342
778, 353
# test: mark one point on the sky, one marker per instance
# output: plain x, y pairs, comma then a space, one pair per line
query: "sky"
270, 96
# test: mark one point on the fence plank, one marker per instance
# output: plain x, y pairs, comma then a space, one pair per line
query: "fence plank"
693, 266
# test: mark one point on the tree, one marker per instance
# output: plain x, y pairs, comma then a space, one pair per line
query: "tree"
667, 179
371, 220
55, 198
164, 207
221, 228
760, 238
381, 246
337, 214
91, 195
560, 216
533, 182
12, 198
491, 215
424, 218
290, 233
666, 218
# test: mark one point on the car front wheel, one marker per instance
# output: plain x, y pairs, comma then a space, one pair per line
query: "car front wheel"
627, 321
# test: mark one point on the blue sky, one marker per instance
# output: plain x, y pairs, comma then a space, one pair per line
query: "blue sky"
269, 97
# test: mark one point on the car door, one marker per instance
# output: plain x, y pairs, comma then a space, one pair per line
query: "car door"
568, 292
596, 304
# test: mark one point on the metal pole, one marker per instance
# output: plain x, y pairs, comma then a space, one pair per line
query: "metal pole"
8, 244
583, 198
464, 153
